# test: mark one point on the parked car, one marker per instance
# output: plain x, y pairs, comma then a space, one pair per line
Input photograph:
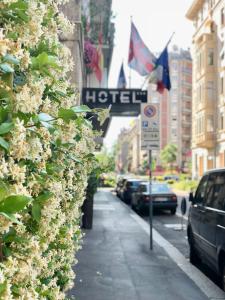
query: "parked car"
130, 186
162, 197
206, 222
171, 177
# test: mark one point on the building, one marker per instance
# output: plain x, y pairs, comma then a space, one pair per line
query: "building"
175, 107
208, 131
75, 42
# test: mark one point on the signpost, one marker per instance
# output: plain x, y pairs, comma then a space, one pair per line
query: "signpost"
150, 140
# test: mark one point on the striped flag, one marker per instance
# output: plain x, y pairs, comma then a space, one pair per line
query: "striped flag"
140, 58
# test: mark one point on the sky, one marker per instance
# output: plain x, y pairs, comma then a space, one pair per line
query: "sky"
155, 21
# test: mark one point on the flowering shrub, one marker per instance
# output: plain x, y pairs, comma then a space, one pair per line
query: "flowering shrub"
46, 146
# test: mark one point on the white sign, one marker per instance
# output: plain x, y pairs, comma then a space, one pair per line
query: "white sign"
150, 137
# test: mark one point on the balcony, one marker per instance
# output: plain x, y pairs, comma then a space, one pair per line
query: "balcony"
205, 140
207, 41
186, 110
186, 137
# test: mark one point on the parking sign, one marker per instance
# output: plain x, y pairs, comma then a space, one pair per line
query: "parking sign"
150, 137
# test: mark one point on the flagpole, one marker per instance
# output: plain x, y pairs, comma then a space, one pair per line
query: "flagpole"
170, 39
131, 19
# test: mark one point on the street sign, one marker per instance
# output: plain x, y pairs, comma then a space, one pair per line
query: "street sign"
150, 136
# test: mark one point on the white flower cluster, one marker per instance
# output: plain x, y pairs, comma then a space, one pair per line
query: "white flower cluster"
46, 159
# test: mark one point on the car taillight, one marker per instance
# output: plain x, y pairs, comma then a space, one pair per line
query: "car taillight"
146, 198
174, 198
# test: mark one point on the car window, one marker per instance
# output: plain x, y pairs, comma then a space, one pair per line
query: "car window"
160, 188
215, 191
143, 188
201, 190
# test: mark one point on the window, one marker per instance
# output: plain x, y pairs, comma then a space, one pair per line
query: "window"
221, 85
210, 57
201, 191
210, 124
143, 188
210, 89
221, 120
215, 191
222, 16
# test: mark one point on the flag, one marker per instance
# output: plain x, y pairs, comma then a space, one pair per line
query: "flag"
161, 75
122, 83
140, 58
100, 60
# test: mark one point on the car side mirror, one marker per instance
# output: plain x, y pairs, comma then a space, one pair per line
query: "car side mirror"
191, 197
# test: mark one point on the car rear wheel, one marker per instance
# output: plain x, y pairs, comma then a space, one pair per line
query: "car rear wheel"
173, 211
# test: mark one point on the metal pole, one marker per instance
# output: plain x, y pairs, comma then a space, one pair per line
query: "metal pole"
150, 199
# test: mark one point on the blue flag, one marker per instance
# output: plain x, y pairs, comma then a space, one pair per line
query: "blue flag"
122, 83
161, 74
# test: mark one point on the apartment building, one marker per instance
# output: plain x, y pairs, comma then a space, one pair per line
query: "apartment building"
208, 104
176, 106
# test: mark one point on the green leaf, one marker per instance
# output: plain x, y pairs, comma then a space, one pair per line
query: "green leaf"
81, 109
11, 217
13, 204
44, 60
11, 59
12, 236
4, 144
43, 197
6, 68
53, 168
6, 127
66, 114
19, 79
3, 287
4, 190
8, 79
45, 117
6, 251
75, 159
20, 4
36, 211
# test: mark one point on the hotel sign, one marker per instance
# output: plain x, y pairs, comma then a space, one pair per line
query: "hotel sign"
123, 101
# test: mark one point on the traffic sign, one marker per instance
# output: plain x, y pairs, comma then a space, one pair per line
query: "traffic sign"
150, 136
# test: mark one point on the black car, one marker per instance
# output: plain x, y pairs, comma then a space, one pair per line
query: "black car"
130, 186
206, 222
161, 194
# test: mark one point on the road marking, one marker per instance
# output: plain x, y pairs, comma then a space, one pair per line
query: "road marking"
211, 290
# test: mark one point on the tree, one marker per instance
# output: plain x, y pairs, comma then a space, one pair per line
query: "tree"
169, 155
106, 160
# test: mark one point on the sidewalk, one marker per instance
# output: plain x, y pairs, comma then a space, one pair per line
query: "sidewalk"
116, 263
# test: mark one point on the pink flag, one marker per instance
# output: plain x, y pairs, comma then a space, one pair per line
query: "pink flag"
140, 58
